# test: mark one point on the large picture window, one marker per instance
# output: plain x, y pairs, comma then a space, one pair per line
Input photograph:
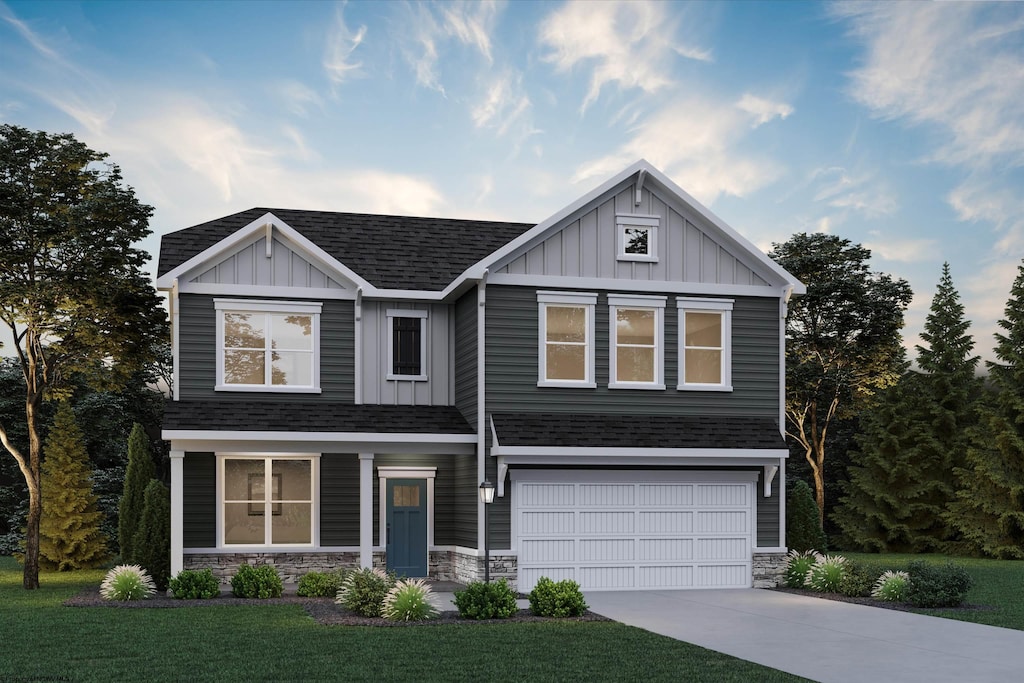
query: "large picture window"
407, 344
705, 347
267, 346
636, 337
566, 339
267, 500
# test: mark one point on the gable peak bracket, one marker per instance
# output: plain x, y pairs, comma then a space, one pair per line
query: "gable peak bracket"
640, 187
769, 476
270, 239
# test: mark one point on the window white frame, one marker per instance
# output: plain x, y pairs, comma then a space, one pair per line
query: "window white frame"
724, 308
585, 300
624, 222
393, 313
268, 458
312, 309
636, 302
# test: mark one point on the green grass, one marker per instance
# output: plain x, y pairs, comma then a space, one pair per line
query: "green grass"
997, 583
43, 639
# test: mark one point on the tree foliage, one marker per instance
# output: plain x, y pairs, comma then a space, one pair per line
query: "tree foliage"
803, 529
989, 507
843, 340
137, 477
72, 287
69, 534
152, 542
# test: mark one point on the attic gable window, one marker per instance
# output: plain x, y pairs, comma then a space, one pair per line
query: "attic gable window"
637, 237
407, 344
268, 346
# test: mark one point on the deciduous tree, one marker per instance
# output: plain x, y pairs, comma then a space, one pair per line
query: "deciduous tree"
72, 287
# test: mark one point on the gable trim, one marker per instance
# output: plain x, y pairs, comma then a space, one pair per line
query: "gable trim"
612, 284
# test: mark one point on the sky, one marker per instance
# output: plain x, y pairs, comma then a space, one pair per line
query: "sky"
899, 126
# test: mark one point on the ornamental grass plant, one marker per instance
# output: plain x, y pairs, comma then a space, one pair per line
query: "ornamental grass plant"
127, 582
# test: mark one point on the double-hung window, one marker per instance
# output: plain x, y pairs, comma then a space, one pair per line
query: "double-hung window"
407, 344
636, 337
705, 344
268, 345
566, 353
267, 500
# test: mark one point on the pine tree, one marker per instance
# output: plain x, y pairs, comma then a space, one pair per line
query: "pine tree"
152, 542
803, 531
69, 531
140, 471
989, 508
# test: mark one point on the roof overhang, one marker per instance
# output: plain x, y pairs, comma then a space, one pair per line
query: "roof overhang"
319, 442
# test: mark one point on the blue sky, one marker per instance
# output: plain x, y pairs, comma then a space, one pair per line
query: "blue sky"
899, 126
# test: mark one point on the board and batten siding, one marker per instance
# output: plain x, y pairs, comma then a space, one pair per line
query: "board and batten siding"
197, 354
339, 499
249, 265
688, 248
438, 388
466, 312
199, 493
512, 349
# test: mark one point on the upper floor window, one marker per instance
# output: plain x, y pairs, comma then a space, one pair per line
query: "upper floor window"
407, 344
705, 347
268, 345
637, 237
636, 337
566, 354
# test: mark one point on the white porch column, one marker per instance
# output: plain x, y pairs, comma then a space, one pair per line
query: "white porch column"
366, 510
177, 511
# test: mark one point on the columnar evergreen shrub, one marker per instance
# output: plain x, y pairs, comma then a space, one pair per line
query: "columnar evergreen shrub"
479, 600
561, 599
127, 582
136, 479
797, 565
261, 582
364, 591
803, 525
409, 600
934, 585
194, 584
69, 532
152, 543
827, 573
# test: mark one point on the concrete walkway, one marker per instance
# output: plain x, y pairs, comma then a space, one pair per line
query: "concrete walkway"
823, 640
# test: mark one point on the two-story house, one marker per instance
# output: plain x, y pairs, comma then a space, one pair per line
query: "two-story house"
345, 382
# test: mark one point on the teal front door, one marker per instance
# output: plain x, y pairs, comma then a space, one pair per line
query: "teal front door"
407, 526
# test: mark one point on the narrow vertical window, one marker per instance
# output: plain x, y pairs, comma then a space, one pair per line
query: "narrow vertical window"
407, 343
636, 337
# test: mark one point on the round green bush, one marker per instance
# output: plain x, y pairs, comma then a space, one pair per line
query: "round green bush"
562, 599
320, 584
127, 582
798, 563
195, 584
936, 585
481, 600
364, 591
409, 600
260, 582
827, 574
892, 586
859, 580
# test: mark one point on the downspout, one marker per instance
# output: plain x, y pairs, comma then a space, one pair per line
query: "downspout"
175, 335
358, 365
787, 293
481, 402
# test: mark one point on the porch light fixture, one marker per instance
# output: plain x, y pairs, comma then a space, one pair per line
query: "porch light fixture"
487, 497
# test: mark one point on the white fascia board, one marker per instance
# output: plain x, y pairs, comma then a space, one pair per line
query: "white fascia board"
299, 437
332, 265
543, 452
264, 291
616, 285
631, 461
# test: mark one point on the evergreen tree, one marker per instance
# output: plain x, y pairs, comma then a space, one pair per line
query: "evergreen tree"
803, 532
136, 479
69, 532
152, 542
989, 508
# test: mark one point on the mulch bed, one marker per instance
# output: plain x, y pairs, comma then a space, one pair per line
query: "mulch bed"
872, 602
322, 610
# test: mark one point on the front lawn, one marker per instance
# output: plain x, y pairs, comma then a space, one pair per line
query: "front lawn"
43, 639
997, 583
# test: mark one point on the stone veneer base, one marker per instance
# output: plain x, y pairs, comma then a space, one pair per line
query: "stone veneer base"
768, 569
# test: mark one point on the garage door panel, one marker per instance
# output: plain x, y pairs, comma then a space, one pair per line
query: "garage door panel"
550, 550
666, 495
548, 523
548, 495
607, 549
723, 575
666, 577
722, 494
609, 578
530, 575
607, 495
665, 549
607, 522
723, 548
726, 522
666, 522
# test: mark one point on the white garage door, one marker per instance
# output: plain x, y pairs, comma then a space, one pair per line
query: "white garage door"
629, 530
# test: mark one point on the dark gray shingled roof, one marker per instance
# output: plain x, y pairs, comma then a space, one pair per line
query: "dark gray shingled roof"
312, 416
643, 431
389, 252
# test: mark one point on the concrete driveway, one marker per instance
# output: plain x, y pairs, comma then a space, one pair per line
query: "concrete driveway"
823, 640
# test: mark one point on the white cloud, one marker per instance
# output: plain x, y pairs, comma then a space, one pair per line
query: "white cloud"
471, 23
624, 43
762, 109
996, 202
505, 104
903, 250
857, 191
341, 43
696, 142
298, 97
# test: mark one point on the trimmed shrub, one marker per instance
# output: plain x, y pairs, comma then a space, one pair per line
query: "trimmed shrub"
827, 573
803, 522
934, 585
127, 582
482, 600
364, 591
194, 584
892, 586
561, 599
798, 563
152, 541
409, 600
859, 579
321, 584
260, 582
136, 479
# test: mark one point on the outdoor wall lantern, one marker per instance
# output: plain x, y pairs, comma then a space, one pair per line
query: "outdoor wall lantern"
487, 497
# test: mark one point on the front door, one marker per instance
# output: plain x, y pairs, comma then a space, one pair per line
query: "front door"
407, 526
